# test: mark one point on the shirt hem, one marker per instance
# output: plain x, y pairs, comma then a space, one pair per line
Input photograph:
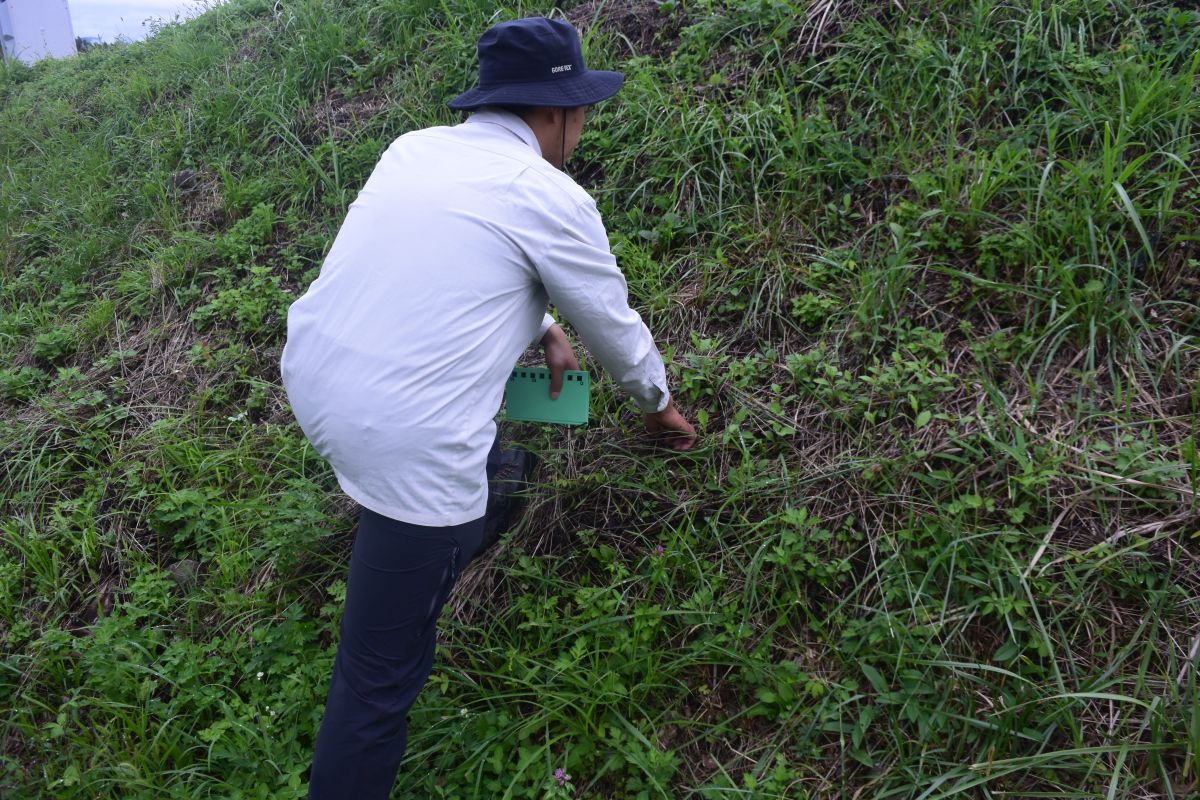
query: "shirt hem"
408, 516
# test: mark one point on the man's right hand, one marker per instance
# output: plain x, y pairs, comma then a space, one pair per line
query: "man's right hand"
670, 426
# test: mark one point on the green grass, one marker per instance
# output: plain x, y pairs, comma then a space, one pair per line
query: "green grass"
926, 279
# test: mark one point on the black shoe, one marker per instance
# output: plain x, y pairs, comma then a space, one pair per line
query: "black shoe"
508, 472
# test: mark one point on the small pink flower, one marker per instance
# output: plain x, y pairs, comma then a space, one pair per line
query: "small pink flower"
659, 550
561, 776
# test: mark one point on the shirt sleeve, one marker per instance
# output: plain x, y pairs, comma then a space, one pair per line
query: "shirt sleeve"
585, 285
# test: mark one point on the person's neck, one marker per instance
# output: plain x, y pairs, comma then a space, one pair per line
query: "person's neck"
549, 127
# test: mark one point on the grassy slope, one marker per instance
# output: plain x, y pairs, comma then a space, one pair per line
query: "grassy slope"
927, 279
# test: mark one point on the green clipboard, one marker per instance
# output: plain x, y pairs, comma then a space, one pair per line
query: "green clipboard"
527, 397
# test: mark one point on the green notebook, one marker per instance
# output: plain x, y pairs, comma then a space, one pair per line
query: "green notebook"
527, 397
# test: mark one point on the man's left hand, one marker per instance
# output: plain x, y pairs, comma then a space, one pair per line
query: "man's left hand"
559, 357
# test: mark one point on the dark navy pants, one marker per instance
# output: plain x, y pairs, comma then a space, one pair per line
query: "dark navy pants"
400, 577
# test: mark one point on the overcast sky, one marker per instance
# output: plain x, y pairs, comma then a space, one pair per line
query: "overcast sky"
109, 19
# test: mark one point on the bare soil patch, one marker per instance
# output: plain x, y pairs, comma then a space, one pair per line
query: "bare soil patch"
339, 115
200, 199
646, 27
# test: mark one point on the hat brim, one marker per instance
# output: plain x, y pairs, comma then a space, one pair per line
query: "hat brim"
581, 90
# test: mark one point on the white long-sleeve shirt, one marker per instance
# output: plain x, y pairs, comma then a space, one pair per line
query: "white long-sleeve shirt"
438, 280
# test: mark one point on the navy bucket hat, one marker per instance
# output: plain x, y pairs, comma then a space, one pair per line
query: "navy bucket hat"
535, 62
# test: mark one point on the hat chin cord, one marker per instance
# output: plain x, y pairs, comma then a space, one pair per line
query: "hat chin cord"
562, 154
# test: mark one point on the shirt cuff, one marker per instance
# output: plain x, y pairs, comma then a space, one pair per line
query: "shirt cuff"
654, 408
547, 321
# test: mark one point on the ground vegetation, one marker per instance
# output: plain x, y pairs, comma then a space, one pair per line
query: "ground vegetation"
924, 272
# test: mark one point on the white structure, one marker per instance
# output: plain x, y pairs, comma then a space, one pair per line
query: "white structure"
31, 30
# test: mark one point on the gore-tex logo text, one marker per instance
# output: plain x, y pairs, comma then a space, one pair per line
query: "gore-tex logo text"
563, 68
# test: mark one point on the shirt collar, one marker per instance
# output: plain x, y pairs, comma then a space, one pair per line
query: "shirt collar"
510, 122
